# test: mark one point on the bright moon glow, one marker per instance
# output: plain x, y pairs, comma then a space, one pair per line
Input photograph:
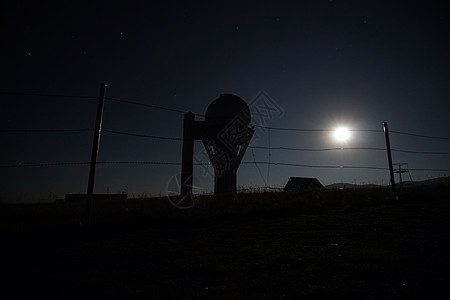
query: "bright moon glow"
342, 134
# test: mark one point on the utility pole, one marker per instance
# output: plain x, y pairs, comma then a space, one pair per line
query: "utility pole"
391, 169
94, 155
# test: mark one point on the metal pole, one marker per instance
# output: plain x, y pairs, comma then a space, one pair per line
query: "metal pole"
187, 163
94, 155
391, 169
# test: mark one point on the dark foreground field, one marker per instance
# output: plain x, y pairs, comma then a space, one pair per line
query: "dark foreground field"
352, 244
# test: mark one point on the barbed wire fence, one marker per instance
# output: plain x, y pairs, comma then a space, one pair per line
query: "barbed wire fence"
261, 115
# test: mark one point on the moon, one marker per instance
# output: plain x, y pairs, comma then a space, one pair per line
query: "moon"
342, 134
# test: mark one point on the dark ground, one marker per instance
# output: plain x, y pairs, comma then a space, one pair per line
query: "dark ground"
339, 245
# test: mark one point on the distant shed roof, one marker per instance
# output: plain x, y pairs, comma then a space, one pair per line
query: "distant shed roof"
303, 183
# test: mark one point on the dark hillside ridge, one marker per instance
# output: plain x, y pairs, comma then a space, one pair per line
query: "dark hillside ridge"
440, 181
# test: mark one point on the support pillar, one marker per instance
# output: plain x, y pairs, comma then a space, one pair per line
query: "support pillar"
187, 160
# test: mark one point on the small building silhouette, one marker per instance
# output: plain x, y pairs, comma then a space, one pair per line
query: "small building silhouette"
97, 197
303, 184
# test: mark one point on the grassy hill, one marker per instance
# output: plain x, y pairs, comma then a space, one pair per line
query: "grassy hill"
333, 243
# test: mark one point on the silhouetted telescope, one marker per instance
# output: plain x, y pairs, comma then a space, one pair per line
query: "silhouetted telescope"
225, 133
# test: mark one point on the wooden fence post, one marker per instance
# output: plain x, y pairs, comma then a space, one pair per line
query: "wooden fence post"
94, 155
391, 168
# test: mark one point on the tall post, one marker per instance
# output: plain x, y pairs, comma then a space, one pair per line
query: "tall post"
391, 168
94, 155
187, 163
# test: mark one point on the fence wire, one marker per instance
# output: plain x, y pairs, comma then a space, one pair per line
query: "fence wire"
179, 111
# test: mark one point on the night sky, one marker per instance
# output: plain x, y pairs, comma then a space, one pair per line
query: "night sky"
319, 64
